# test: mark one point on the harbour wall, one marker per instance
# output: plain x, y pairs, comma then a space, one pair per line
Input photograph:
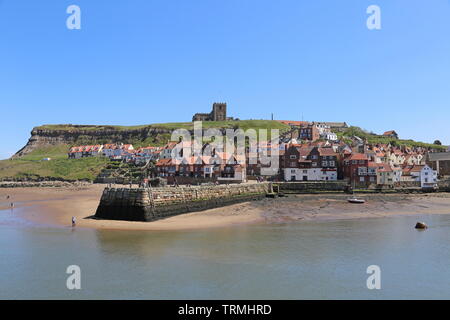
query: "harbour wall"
444, 185
312, 186
150, 204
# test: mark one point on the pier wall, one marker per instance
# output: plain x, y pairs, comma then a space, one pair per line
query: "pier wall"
150, 204
312, 186
444, 185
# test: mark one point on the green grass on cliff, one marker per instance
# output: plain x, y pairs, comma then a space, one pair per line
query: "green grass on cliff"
54, 152
374, 139
159, 139
238, 124
67, 169
31, 166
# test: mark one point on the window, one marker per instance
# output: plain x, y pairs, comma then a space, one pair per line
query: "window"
332, 164
314, 164
361, 179
292, 171
293, 156
362, 171
354, 161
324, 163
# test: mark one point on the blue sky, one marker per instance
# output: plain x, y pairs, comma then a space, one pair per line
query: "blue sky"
149, 61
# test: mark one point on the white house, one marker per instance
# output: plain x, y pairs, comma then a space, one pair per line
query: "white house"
85, 151
423, 174
331, 136
310, 174
428, 177
116, 150
76, 152
397, 174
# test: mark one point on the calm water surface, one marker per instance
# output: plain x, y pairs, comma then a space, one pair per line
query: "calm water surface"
307, 260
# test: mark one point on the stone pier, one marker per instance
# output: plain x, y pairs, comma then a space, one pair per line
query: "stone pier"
150, 204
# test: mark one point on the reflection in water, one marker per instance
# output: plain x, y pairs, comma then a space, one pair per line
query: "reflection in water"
304, 260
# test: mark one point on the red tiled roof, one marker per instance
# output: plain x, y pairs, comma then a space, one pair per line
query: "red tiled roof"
85, 148
327, 152
304, 151
294, 123
164, 162
414, 168
417, 168
384, 167
358, 156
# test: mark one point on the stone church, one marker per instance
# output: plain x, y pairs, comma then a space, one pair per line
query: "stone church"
218, 113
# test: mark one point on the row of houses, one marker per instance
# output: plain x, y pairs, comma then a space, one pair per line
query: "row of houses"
360, 164
312, 131
221, 166
120, 151
369, 165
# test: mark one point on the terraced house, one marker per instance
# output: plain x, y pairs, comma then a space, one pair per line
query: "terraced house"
385, 174
424, 175
303, 163
355, 168
85, 151
220, 166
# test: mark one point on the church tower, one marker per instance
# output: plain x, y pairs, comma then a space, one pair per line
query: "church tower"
219, 112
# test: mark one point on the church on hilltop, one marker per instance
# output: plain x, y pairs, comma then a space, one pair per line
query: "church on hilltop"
218, 113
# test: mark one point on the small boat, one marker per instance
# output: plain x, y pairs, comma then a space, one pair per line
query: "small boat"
356, 200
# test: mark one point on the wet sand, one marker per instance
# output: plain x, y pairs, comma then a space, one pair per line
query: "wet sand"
56, 206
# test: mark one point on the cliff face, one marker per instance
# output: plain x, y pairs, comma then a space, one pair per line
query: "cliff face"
145, 135
86, 135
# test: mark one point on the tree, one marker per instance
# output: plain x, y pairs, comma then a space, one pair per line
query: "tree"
437, 142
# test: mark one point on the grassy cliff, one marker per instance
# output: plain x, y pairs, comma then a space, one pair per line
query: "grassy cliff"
374, 139
237, 124
60, 169
54, 141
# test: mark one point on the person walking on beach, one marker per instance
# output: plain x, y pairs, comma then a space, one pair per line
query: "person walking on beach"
74, 222
12, 205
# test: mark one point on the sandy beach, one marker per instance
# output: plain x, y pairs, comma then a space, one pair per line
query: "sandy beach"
56, 206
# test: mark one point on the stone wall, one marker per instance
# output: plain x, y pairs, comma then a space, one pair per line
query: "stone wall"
311, 187
444, 185
343, 186
189, 180
150, 204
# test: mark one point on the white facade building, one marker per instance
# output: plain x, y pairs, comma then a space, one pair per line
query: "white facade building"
331, 136
428, 177
310, 174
